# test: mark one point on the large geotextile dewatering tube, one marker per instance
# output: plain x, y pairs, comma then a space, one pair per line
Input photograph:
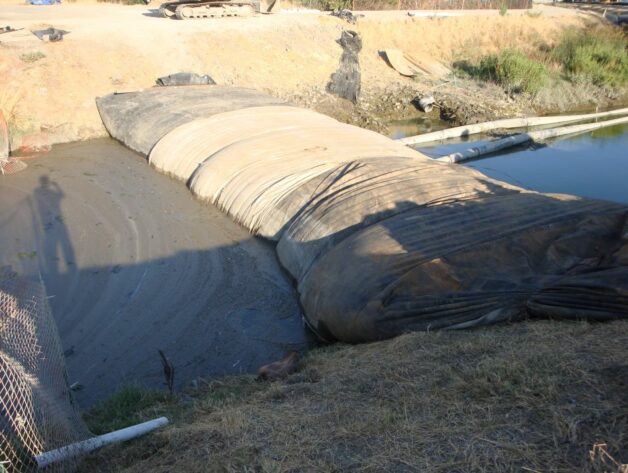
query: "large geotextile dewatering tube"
380, 238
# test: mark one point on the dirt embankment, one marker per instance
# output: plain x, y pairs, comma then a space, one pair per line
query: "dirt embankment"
48, 89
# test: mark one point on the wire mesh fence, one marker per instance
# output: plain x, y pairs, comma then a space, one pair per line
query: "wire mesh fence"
365, 5
440, 4
37, 411
11, 166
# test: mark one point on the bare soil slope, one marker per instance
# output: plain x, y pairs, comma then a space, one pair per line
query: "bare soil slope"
47, 89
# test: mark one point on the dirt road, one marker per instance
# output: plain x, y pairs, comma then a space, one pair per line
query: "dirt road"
132, 264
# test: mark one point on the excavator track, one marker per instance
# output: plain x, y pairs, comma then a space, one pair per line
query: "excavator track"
208, 9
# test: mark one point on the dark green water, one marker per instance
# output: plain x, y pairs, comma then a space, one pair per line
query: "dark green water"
588, 165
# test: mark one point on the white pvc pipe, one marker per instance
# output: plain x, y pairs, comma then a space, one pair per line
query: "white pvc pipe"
485, 148
86, 446
505, 123
515, 140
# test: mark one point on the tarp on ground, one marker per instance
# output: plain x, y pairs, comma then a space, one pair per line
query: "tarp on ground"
381, 239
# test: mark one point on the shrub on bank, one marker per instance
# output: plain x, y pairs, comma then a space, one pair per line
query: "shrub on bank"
599, 56
596, 56
512, 69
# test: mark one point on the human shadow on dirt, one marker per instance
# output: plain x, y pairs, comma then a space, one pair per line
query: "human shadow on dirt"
58, 251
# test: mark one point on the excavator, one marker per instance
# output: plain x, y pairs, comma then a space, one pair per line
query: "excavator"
189, 9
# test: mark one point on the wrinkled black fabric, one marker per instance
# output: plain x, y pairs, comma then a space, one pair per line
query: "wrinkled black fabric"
347, 15
346, 81
50, 34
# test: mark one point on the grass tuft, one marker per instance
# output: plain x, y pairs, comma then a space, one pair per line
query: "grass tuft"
126, 407
32, 57
512, 69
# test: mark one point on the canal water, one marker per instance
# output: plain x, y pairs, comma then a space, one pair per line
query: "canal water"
588, 165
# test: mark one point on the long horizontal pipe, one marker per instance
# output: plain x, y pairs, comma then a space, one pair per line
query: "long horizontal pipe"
521, 138
467, 130
86, 446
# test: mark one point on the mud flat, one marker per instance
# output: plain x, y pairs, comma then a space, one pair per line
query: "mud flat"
132, 263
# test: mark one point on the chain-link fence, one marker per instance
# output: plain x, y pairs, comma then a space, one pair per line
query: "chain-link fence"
37, 412
365, 5
439, 4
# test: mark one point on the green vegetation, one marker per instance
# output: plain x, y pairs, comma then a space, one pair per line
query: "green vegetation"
532, 396
128, 406
514, 70
597, 56
32, 56
27, 254
511, 68
503, 9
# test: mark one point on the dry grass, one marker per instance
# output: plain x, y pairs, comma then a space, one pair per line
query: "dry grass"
535, 396
31, 57
11, 102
